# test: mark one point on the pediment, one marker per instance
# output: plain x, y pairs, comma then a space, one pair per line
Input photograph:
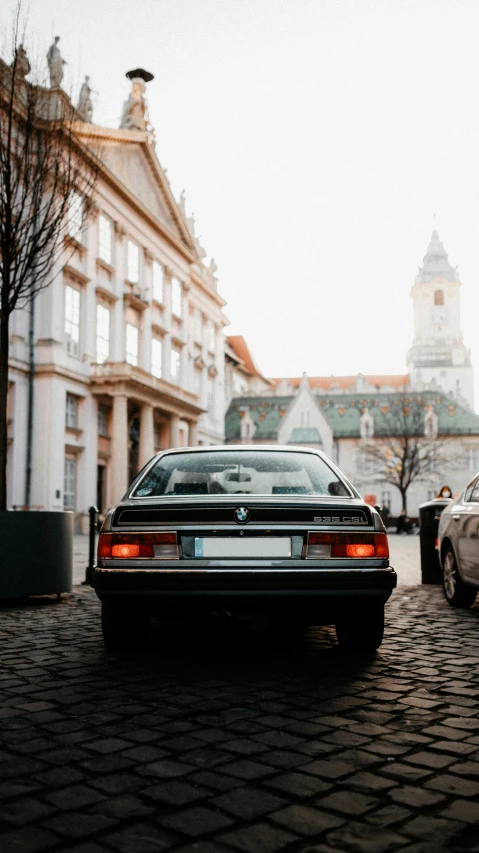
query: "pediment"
130, 157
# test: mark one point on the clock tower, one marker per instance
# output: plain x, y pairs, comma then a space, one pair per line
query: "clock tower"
438, 358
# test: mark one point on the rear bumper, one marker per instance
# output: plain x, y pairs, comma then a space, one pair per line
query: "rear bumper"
298, 589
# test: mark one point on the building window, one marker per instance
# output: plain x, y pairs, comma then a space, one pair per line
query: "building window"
75, 217
197, 325
386, 499
211, 335
133, 262
103, 418
71, 411
176, 297
105, 239
69, 484
175, 361
211, 395
198, 375
156, 357
102, 333
473, 459
132, 344
438, 297
158, 280
72, 319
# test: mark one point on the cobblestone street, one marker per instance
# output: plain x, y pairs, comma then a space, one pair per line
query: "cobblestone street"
257, 743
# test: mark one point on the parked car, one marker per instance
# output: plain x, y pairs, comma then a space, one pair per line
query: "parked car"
459, 547
302, 545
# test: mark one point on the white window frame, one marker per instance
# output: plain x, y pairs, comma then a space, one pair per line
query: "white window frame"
103, 319
72, 318
71, 411
105, 239
132, 344
157, 357
211, 335
158, 282
75, 211
175, 365
132, 262
176, 297
70, 470
103, 419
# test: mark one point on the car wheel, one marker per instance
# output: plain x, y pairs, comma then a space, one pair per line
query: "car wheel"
458, 593
361, 630
123, 628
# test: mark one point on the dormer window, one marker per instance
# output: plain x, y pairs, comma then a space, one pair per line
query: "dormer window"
366, 425
430, 423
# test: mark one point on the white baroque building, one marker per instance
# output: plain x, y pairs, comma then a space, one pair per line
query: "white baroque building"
128, 352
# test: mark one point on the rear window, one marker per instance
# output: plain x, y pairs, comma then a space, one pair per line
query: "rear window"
235, 472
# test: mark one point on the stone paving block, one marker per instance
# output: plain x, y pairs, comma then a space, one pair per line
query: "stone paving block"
73, 797
259, 838
454, 785
361, 838
246, 769
299, 784
196, 821
348, 802
175, 793
306, 820
248, 803
140, 838
79, 824
465, 811
415, 796
431, 828
29, 839
26, 810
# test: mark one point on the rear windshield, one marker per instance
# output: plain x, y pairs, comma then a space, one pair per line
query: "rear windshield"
221, 472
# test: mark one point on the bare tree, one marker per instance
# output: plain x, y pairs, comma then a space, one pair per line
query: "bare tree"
406, 447
47, 180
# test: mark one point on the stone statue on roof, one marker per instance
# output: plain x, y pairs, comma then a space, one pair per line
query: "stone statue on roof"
85, 105
55, 64
135, 110
21, 63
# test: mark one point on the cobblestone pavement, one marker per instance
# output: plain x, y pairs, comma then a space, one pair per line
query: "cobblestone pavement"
226, 743
404, 557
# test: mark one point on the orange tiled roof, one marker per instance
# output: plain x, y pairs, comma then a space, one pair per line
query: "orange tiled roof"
240, 347
325, 383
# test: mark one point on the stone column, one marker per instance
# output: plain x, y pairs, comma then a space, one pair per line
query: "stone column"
119, 448
147, 435
174, 431
192, 433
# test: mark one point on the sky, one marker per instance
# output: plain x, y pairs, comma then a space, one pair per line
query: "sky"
319, 143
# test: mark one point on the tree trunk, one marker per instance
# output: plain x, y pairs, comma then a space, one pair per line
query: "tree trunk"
4, 324
404, 499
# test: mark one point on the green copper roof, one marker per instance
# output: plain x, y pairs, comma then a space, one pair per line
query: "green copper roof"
343, 412
304, 435
266, 412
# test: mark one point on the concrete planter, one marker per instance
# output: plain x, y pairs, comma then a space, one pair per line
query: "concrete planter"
36, 553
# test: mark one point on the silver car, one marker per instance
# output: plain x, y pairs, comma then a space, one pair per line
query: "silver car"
459, 547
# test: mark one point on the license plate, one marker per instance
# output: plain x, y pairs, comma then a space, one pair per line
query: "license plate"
209, 547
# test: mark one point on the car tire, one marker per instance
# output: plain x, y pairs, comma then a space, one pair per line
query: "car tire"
458, 593
124, 629
361, 630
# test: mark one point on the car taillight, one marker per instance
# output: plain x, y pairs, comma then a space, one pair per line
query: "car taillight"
350, 545
124, 546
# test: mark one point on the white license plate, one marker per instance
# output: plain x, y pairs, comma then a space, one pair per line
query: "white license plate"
209, 547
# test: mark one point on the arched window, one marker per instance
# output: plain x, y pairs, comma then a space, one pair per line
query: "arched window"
438, 297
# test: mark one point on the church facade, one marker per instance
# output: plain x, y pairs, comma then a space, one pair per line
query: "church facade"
128, 342
350, 417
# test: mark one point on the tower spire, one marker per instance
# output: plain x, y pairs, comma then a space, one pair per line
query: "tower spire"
436, 262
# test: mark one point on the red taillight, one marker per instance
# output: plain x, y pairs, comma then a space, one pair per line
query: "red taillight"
436, 543
350, 545
124, 546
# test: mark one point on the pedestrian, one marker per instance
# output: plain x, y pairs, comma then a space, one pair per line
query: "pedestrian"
445, 492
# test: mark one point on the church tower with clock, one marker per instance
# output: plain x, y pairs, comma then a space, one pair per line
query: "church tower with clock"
438, 358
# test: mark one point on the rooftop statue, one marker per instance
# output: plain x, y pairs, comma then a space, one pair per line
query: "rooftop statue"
21, 63
55, 64
135, 110
85, 105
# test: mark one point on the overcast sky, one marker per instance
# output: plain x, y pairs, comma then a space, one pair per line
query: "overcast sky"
316, 140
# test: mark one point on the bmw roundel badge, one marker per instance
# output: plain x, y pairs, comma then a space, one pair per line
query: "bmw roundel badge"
242, 515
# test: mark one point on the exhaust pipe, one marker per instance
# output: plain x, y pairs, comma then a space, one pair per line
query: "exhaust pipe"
225, 617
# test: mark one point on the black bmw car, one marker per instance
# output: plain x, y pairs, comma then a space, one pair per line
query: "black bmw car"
242, 533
